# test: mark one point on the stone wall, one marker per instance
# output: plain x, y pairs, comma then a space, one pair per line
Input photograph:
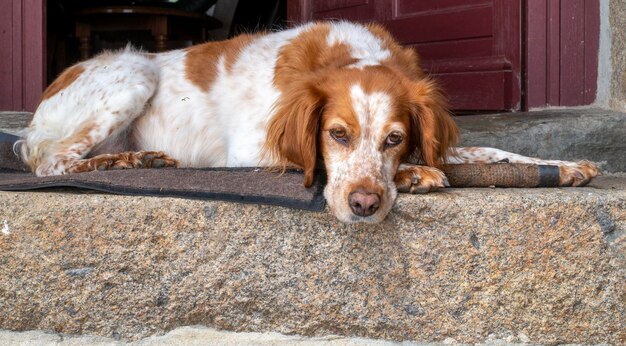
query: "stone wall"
617, 97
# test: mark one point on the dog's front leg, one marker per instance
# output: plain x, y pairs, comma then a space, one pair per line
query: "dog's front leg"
572, 173
419, 179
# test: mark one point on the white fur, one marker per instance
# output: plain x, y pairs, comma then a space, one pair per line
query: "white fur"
111, 92
493, 155
212, 129
366, 161
365, 47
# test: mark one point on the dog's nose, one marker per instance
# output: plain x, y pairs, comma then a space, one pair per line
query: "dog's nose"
363, 203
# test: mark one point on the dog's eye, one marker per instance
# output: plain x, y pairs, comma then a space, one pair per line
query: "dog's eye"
339, 135
393, 139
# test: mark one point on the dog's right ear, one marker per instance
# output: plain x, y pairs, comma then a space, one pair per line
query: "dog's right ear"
293, 129
434, 132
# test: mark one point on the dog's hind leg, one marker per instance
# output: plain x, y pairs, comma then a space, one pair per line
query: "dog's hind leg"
88, 104
129, 159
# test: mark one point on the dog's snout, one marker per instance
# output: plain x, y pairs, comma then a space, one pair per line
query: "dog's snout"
363, 203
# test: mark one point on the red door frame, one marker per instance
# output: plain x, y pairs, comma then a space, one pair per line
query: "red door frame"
22, 54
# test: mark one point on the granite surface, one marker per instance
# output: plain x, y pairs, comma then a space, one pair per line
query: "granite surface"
203, 336
463, 264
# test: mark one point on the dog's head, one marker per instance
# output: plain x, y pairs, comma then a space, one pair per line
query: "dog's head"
362, 123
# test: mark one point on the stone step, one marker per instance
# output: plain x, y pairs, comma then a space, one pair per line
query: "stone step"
560, 134
459, 264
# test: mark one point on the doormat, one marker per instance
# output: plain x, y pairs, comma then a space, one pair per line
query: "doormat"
245, 185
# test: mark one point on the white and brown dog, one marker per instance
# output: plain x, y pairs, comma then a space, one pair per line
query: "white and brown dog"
345, 93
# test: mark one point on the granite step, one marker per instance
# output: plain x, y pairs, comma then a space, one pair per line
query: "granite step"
461, 264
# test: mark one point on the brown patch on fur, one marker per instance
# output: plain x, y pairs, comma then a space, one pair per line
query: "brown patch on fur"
339, 110
405, 59
313, 78
125, 160
300, 70
292, 131
404, 179
432, 124
63, 81
309, 54
81, 142
83, 136
201, 60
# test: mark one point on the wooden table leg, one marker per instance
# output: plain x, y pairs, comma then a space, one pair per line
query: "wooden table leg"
161, 43
83, 33
159, 31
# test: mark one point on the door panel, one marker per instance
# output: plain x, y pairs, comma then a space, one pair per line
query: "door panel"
458, 49
327, 5
429, 6
446, 26
562, 52
22, 52
343, 9
471, 46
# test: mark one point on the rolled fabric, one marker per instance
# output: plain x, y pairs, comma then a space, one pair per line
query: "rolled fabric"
502, 175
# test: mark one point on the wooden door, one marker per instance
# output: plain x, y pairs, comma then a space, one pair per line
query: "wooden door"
562, 52
471, 46
22, 54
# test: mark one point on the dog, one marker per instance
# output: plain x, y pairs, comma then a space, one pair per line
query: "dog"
341, 95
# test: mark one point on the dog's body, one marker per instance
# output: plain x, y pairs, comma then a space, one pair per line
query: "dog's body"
344, 93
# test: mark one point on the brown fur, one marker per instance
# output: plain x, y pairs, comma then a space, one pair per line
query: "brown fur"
63, 81
292, 132
430, 114
404, 59
309, 54
201, 61
312, 79
82, 136
130, 159
419, 179
301, 66
432, 125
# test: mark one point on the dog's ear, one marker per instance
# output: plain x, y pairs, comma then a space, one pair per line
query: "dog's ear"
433, 130
293, 130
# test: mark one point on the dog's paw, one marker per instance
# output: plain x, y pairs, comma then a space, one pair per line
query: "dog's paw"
419, 179
578, 174
156, 159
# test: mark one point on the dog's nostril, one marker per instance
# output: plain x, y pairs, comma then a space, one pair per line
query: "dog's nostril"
363, 203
